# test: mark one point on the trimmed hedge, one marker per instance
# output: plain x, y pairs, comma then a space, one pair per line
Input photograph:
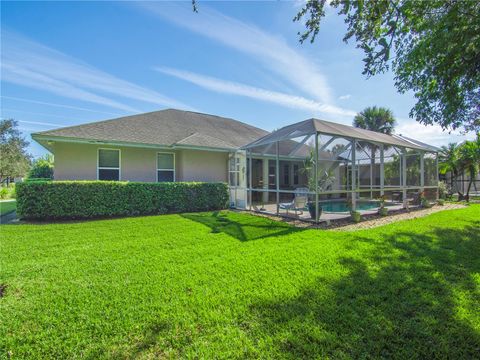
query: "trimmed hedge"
43, 200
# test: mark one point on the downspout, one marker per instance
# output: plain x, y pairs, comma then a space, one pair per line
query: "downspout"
249, 187
354, 175
277, 176
316, 177
404, 178
382, 170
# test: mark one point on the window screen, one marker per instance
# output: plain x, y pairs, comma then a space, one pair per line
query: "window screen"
108, 164
295, 174
108, 158
108, 174
165, 167
165, 161
286, 174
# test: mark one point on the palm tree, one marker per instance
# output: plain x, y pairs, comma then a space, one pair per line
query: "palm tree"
449, 161
377, 119
470, 160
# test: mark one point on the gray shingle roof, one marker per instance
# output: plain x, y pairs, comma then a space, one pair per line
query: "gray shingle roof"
166, 128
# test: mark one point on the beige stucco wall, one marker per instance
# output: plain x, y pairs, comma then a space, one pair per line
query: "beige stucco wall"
195, 165
79, 162
75, 162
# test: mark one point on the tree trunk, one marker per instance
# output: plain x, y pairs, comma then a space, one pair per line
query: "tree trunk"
472, 176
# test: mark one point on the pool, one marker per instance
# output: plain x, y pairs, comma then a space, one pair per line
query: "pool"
341, 206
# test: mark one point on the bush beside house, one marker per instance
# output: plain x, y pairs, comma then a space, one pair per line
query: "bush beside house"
42, 168
91, 199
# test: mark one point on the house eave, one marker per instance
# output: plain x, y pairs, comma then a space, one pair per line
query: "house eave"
46, 140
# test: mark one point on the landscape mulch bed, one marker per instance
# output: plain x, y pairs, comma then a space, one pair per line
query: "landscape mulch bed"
368, 221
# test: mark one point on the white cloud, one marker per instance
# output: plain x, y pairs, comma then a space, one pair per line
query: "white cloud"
229, 87
344, 97
431, 134
271, 51
9, 110
57, 105
33, 65
39, 123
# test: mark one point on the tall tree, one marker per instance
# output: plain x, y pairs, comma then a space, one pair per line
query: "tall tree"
42, 168
448, 161
433, 48
377, 119
470, 161
14, 159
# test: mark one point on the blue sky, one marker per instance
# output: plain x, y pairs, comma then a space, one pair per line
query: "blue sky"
67, 63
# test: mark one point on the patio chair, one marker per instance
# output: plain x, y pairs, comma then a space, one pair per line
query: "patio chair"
299, 201
417, 198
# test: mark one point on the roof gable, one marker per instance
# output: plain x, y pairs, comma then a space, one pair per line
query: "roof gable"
164, 128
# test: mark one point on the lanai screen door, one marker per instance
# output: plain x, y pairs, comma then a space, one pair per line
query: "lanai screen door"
237, 179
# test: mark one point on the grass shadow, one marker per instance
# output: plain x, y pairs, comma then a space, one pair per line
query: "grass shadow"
240, 226
411, 296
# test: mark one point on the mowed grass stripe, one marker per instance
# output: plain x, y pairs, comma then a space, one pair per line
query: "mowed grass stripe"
233, 285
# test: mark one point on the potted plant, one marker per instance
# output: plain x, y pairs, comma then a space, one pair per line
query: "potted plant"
356, 216
382, 210
311, 209
325, 179
424, 201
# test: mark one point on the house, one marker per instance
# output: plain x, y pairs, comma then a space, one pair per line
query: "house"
166, 145
261, 167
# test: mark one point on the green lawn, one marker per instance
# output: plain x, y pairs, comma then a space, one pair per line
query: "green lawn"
7, 207
228, 285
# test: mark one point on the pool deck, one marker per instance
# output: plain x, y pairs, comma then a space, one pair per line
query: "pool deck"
271, 209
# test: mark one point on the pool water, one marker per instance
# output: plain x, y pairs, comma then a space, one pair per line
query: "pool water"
341, 206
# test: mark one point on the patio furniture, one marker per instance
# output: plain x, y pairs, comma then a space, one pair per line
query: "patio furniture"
417, 198
298, 203
397, 196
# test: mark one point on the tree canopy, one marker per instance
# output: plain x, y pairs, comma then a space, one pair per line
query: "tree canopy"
460, 158
42, 168
14, 159
432, 47
375, 118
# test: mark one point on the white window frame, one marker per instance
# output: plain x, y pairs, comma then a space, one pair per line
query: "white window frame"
296, 173
110, 168
286, 174
174, 165
236, 170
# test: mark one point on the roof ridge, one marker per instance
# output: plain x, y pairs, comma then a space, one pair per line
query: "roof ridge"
353, 127
180, 142
220, 117
146, 113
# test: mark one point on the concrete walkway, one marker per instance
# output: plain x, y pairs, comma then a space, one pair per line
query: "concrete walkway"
8, 218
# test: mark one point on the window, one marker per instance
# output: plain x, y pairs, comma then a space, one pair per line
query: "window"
108, 164
286, 174
165, 167
234, 170
295, 174
271, 173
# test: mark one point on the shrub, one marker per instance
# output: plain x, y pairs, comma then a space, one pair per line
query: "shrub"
36, 179
441, 202
91, 199
3, 193
443, 189
7, 192
42, 168
356, 216
383, 211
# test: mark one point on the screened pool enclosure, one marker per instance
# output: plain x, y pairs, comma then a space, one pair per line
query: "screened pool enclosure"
317, 170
